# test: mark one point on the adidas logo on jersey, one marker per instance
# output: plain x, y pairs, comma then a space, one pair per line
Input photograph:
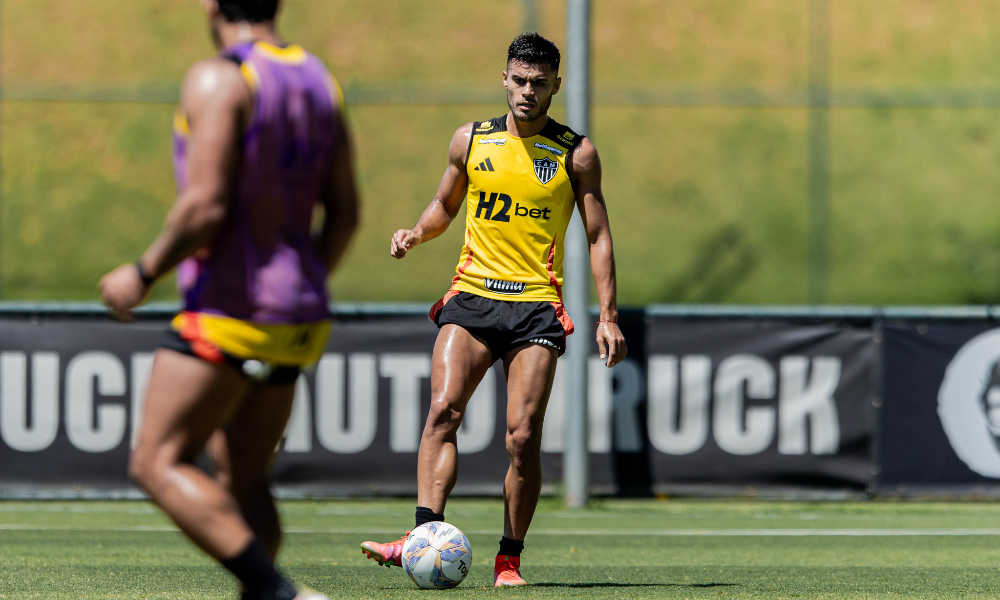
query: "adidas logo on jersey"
509, 288
486, 165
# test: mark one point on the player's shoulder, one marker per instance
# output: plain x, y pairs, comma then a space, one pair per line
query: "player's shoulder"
320, 69
494, 125
213, 78
314, 60
463, 135
218, 66
585, 152
461, 144
562, 135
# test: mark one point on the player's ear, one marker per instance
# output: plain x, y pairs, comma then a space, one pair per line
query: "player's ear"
556, 86
505, 78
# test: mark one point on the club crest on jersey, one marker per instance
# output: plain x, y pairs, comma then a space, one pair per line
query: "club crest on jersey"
509, 288
545, 169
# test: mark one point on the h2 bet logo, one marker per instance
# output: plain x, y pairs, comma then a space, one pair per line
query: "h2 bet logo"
486, 208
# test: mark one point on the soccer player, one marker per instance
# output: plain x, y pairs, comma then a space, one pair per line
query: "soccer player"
260, 142
521, 174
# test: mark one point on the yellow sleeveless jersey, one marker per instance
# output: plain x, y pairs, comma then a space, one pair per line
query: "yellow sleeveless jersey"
519, 204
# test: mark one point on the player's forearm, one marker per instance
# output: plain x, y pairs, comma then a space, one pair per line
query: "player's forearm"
192, 224
602, 265
433, 222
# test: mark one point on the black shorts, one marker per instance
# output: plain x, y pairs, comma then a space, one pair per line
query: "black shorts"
254, 370
504, 325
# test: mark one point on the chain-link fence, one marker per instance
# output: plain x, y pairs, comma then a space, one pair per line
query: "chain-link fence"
780, 151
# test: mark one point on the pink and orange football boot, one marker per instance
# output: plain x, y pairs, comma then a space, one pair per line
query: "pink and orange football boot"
507, 571
390, 555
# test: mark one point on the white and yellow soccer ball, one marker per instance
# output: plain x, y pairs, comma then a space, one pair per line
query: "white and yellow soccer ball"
437, 555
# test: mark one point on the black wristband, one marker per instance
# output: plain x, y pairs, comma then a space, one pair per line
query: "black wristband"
146, 279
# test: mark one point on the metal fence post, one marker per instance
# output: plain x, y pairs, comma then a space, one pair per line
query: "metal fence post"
530, 15
2, 23
819, 149
576, 463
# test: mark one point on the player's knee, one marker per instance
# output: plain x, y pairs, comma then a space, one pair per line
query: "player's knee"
443, 418
149, 468
141, 468
523, 443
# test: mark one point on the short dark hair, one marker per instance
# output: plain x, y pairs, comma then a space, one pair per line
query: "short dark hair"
533, 49
250, 11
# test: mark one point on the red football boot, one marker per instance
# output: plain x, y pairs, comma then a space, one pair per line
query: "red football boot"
507, 571
390, 555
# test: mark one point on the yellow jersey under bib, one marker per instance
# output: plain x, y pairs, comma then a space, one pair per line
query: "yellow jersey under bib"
519, 204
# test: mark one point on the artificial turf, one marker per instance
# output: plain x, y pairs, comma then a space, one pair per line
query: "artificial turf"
615, 549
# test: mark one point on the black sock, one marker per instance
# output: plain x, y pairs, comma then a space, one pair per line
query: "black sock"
426, 515
509, 547
255, 570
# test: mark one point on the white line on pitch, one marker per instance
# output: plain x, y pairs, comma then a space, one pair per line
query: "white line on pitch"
567, 532
137, 528
702, 532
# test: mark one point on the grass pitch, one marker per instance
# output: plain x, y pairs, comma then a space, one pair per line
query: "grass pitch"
615, 549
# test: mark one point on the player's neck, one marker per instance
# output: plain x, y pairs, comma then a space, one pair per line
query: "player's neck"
239, 33
526, 129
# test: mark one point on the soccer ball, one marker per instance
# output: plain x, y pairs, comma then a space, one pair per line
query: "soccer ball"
437, 556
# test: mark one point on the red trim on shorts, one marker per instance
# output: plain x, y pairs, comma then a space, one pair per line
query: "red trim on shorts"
436, 309
202, 348
563, 317
561, 313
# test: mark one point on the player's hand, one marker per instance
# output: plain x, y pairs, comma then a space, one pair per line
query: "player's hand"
122, 290
611, 343
403, 241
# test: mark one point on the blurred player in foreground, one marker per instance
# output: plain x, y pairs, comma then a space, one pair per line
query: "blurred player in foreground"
521, 174
259, 143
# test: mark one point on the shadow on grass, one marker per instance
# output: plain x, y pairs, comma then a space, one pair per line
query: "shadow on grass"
612, 584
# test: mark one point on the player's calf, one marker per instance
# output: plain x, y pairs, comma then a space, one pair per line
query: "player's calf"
261, 580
